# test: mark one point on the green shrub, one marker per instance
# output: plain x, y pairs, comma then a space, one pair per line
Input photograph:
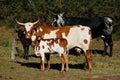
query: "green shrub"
30, 10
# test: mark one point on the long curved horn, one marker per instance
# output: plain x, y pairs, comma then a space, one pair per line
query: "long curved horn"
20, 23
61, 14
36, 22
52, 13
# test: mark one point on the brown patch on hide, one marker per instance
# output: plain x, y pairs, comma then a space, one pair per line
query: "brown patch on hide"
85, 41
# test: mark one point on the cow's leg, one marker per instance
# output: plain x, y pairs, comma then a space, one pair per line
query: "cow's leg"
105, 48
42, 64
88, 56
108, 42
111, 47
66, 61
63, 62
48, 61
25, 52
26, 49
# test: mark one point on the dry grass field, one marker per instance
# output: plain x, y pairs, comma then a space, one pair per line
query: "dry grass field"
104, 68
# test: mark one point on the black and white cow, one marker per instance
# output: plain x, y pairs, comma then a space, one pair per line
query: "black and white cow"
100, 26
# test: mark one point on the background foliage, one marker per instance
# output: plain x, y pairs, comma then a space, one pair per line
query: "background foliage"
31, 10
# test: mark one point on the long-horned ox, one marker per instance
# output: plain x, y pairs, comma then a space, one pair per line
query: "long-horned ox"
48, 46
100, 26
77, 36
21, 35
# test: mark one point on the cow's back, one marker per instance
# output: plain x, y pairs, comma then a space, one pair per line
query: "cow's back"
50, 46
76, 36
79, 36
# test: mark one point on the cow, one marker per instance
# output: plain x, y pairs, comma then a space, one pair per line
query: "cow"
77, 36
21, 35
48, 46
24, 41
100, 26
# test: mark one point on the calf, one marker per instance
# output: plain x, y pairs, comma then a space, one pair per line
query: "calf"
100, 26
48, 46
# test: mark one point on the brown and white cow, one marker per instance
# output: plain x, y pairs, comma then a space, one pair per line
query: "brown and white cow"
52, 45
77, 36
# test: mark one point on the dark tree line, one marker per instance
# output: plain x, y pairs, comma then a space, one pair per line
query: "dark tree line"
31, 10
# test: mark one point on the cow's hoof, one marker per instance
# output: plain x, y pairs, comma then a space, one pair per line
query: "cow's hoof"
103, 55
88, 70
67, 70
110, 55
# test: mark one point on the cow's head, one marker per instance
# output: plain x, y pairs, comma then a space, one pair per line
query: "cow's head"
58, 20
28, 26
108, 26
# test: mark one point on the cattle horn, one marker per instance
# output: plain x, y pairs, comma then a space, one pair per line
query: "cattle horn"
61, 14
36, 22
19, 23
52, 12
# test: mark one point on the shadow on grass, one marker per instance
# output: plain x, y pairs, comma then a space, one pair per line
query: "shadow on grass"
71, 66
96, 51
33, 55
56, 66
28, 64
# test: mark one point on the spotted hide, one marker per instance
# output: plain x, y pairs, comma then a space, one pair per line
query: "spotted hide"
48, 46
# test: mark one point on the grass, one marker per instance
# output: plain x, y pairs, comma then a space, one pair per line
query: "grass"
21, 69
